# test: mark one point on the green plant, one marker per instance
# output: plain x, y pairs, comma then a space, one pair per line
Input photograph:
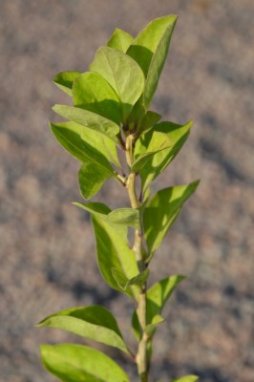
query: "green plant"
114, 134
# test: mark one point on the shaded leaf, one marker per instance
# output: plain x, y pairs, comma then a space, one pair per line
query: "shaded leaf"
149, 120
162, 210
91, 179
116, 261
122, 73
69, 136
140, 279
64, 81
126, 216
177, 135
149, 49
120, 40
92, 92
88, 119
77, 363
93, 322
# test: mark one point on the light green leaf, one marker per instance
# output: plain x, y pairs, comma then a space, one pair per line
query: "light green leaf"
88, 119
92, 92
149, 49
91, 179
125, 216
122, 73
120, 40
64, 81
70, 137
161, 212
177, 135
93, 322
116, 261
187, 378
157, 297
144, 150
77, 363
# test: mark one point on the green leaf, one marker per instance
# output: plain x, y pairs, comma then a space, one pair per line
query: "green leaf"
161, 212
93, 322
92, 92
140, 279
116, 261
187, 378
120, 40
69, 136
176, 134
77, 363
149, 120
149, 49
88, 119
64, 81
122, 73
157, 142
91, 179
157, 297
125, 216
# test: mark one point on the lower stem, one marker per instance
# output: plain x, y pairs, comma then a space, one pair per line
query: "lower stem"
141, 357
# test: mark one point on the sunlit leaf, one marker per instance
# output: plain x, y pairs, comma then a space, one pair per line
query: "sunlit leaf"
120, 40
187, 378
91, 179
88, 119
93, 322
122, 73
92, 92
77, 363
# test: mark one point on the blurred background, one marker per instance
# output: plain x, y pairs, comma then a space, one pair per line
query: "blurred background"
47, 250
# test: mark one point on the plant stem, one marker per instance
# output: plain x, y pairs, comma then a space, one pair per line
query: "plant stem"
141, 356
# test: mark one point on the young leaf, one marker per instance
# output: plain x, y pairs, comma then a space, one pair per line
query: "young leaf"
93, 322
120, 40
91, 179
187, 378
92, 92
157, 297
140, 279
64, 81
149, 49
176, 134
116, 261
161, 212
124, 216
149, 120
77, 363
69, 135
122, 73
88, 119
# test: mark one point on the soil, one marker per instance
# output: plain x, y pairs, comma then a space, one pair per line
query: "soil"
47, 250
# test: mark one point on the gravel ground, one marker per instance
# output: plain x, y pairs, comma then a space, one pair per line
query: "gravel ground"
46, 244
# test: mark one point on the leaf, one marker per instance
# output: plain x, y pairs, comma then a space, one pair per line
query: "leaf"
77, 363
88, 119
140, 279
187, 378
149, 49
120, 40
69, 136
144, 151
149, 120
122, 73
126, 216
91, 179
161, 212
64, 81
176, 134
157, 297
92, 92
93, 322
116, 261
